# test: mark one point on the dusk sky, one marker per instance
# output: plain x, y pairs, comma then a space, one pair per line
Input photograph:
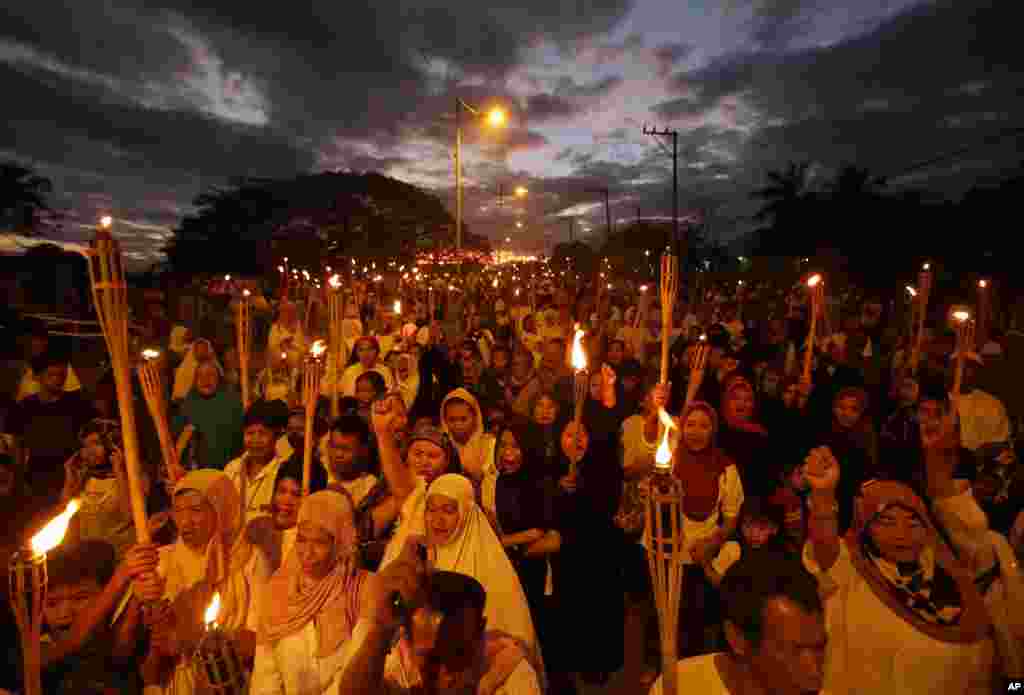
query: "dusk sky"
133, 107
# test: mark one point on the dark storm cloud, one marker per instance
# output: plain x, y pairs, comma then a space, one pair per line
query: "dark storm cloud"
547, 107
893, 96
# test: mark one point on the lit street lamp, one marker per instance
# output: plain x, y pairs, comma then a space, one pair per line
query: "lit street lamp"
494, 118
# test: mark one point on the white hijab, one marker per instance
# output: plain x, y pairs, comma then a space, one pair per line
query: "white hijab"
474, 550
410, 387
185, 374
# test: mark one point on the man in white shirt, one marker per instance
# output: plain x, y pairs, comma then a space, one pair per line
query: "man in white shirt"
983, 418
444, 647
253, 472
775, 627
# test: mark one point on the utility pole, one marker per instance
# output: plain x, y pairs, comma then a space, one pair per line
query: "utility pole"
607, 210
572, 230
674, 134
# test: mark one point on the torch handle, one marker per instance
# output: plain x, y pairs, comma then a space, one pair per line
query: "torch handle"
809, 355
122, 378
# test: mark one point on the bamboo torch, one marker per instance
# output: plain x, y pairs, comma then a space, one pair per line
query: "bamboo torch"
923, 291
911, 314
243, 338
964, 343
665, 553
310, 394
156, 402
28, 579
669, 289
110, 297
814, 284
984, 318
581, 380
216, 661
336, 317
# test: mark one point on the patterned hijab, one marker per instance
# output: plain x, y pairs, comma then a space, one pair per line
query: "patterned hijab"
922, 593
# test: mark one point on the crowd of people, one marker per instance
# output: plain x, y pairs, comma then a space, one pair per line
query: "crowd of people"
474, 523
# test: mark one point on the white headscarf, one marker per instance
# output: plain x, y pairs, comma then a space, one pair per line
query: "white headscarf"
185, 374
474, 550
477, 455
411, 386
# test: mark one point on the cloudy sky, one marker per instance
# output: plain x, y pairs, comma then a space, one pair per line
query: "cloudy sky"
134, 106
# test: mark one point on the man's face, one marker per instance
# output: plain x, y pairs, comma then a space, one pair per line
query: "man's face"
207, 380
791, 655
343, 450
446, 650
195, 518
287, 497
847, 412
427, 460
52, 379
65, 603
259, 442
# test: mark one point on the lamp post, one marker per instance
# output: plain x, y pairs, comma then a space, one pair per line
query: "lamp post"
494, 118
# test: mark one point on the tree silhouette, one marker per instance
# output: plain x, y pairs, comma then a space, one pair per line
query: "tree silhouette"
23, 198
250, 224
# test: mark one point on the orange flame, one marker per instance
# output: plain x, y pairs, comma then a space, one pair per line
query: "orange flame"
150, 354
579, 357
212, 611
961, 316
911, 291
814, 280
50, 536
663, 456
335, 281
318, 348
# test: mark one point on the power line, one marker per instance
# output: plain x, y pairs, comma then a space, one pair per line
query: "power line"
983, 142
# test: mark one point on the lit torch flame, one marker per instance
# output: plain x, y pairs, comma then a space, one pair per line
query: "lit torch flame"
318, 349
106, 221
926, 266
643, 288
149, 354
982, 284
814, 280
280, 268
246, 293
335, 281
50, 536
495, 283
579, 357
398, 306
663, 456
212, 611
911, 291
305, 274
227, 278
961, 316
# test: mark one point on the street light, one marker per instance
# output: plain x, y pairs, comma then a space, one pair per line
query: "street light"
496, 119
519, 225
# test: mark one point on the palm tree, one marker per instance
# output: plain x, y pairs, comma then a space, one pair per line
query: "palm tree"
786, 207
22, 198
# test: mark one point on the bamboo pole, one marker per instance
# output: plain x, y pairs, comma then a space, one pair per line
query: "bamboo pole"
923, 294
336, 317
310, 394
156, 402
110, 297
669, 289
814, 285
243, 338
665, 552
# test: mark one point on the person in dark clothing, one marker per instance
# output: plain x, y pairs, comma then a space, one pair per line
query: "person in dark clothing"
46, 425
